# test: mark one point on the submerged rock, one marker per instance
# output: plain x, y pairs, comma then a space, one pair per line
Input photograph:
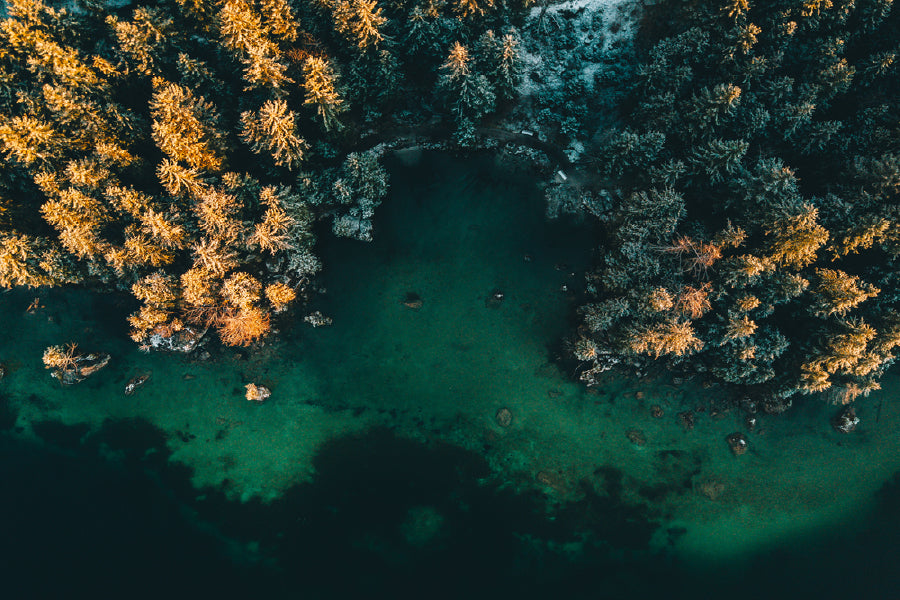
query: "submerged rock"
656, 411
686, 419
412, 300
845, 421
737, 441
503, 417
135, 382
317, 319
774, 406
495, 299
184, 340
80, 368
711, 489
636, 437
749, 405
257, 393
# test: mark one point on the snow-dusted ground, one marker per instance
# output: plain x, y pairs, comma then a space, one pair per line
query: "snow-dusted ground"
597, 26
562, 43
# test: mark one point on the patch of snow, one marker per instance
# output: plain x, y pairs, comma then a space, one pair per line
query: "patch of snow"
618, 16
531, 63
612, 23
574, 151
588, 73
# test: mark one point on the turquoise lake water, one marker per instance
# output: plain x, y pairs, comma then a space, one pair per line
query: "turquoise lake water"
378, 468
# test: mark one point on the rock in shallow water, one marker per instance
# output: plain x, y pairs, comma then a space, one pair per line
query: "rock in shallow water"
503, 417
412, 300
711, 489
183, 340
317, 319
80, 368
636, 437
422, 525
135, 382
495, 299
737, 441
686, 419
775, 406
845, 421
257, 393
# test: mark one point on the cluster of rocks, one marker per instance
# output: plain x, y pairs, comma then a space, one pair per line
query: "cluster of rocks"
503, 417
636, 437
80, 368
686, 418
317, 319
184, 340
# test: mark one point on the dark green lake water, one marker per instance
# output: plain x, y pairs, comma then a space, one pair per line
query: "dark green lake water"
377, 469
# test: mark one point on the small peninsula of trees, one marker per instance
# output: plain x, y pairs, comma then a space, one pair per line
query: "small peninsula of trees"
185, 151
757, 228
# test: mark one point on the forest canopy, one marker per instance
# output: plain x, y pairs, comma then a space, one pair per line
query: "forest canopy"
756, 230
747, 155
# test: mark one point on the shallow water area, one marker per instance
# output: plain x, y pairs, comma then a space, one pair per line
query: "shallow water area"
386, 426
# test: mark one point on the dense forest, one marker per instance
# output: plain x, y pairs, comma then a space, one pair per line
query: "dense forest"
755, 232
745, 165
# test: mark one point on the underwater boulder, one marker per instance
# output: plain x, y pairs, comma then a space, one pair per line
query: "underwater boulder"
737, 441
184, 340
257, 393
412, 300
135, 382
80, 367
845, 421
504, 417
495, 298
636, 437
